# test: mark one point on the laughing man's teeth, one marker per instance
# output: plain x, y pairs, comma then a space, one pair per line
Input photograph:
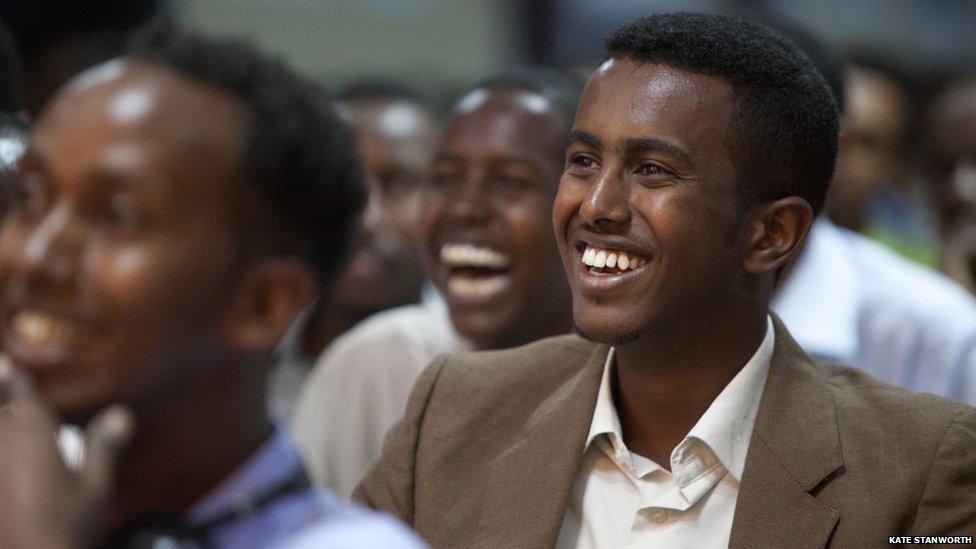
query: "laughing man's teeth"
44, 329
600, 258
484, 286
468, 255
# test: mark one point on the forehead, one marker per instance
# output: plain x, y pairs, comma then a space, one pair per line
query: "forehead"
385, 127
627, 99
503, 122
138, 117
391, 119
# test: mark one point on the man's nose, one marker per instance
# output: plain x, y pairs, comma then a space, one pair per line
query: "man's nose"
471, 201
52, 249
372, 215
606, 204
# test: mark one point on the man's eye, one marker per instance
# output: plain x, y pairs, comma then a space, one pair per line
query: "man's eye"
399, 182
510, 182
651, 169
29, 193
446, 180
123, 211
580, 161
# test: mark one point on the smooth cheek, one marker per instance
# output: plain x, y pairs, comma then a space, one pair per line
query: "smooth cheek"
150, 286
11, 245
404, 212
566, 204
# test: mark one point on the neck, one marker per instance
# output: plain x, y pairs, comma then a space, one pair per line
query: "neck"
663, 385
186, 447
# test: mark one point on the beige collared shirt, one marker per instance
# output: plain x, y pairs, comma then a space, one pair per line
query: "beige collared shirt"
621, 499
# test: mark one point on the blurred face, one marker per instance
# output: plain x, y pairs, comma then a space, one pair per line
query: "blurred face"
486, 218
646, 213
875, 126
951, 163
116, 257
395, 140
951, 154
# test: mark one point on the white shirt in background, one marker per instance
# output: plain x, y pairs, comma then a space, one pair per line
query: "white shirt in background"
851, 301
359, 389
622, 500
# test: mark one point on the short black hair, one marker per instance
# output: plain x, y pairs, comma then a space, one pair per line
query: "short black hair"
562, 89
298, 162
783, 132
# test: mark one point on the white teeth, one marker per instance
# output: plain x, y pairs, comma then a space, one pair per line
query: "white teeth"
40, 328
484, 286
589, 255
468, 255
600, 258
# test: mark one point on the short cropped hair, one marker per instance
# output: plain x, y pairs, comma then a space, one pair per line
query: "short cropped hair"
783, 132
298, 163
562, 89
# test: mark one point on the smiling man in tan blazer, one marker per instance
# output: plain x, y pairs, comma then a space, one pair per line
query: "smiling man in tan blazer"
686, 415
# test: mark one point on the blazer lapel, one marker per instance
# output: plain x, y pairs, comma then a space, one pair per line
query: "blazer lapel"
794, 448
529, 484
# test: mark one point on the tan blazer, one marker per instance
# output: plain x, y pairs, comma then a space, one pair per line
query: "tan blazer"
489, 448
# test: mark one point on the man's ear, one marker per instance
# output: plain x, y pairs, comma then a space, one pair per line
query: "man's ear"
775, 233
269, 298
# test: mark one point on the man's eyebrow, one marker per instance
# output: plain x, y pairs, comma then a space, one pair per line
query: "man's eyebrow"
650, 144
588, 139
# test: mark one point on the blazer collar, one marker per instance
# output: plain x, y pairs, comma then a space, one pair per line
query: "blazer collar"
529, 483
794, 448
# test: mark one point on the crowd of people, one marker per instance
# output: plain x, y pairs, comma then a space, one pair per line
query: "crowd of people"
691, 300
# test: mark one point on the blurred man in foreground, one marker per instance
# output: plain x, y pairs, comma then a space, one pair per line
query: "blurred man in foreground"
395, 134
687, 417
491, 253
174, 212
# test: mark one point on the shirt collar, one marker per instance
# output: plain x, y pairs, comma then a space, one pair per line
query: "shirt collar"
272, 463
725, 427
819, 300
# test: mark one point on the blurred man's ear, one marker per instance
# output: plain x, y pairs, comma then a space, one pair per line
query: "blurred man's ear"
775, 232
270, 297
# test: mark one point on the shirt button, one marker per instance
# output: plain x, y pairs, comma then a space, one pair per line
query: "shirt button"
660, 516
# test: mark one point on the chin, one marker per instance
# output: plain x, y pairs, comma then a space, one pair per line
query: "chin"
606, 333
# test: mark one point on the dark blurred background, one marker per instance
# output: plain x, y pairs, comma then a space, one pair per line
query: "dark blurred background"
442, 45
893, 58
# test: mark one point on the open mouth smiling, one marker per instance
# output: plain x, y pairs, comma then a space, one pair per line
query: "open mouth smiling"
604, 262
607, 266
44, 338
475, 272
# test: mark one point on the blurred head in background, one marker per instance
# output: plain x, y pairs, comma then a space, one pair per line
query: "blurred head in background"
876, 127
174, 211
395, 134
487, 215
395, 131
950, 161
